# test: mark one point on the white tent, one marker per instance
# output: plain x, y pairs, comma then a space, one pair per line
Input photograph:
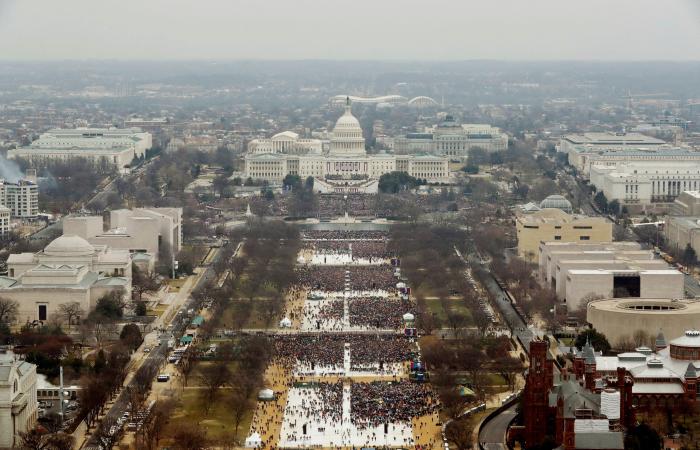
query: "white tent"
285, 323
408, 317
253, 441
400, 285
266, 394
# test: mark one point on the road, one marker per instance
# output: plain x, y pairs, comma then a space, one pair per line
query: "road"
493, 434
157, 357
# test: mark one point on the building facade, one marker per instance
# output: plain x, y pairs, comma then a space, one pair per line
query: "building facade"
555, 225
620, 319
452, 139
584, 149
567, 409
22, 198
346, 158
144, 232
646, 183
18, 400
577, 271
5, 214
69, 269
115, 146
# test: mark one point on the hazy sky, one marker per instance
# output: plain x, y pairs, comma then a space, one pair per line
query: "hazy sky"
350, 29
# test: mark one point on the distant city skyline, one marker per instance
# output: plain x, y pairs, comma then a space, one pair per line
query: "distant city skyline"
620, 30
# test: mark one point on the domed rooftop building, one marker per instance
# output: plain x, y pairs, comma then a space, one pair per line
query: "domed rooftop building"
69, 245
557, 202
68, 270
347, 134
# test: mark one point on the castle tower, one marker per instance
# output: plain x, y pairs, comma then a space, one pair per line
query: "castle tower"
536, 396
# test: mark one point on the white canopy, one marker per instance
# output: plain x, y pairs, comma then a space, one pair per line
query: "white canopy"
285, 323
266, 394
400, 285
408, 316
253, 441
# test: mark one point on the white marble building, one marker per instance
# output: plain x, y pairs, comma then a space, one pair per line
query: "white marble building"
69, 269
346, 159
452, 139
116, 146
18, 403
646, 182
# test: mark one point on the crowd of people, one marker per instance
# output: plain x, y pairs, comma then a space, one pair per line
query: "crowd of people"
372, 278
379, 312
377, 403
352, 235
317, 350
322, 278
375, 351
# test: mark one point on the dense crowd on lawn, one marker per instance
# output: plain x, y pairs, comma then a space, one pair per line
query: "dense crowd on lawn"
377, 403
322, 278
321, 350
344, 234
359, 249
379, 312
362, 278
328, 349
372, 278
368, 350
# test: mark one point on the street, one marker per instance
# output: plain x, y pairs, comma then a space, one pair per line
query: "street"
157, 357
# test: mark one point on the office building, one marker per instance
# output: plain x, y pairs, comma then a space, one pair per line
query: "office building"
452, 139
643, 184
22, 198
686, 204
5, 214
114, 146
583, 149
555, 225
681, 231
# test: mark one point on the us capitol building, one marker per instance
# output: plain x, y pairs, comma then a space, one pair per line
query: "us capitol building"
345, 167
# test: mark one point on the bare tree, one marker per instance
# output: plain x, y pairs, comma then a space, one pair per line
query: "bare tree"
213, 377
190, 437
71, 311
155, 424
8, 310
143, 282
186, 364
508, 367
108, 433
239, 406
459, 433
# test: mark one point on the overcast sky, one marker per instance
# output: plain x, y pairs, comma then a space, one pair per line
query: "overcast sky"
350, 29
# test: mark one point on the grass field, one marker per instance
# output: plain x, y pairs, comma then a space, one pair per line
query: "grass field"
455, 305
218, 423
255, 320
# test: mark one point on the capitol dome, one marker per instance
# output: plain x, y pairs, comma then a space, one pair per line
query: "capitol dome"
69, 245
557, 202
347, 134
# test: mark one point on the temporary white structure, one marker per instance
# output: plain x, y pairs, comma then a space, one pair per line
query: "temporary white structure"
266, 394
253, 441
408, 317
285, 323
